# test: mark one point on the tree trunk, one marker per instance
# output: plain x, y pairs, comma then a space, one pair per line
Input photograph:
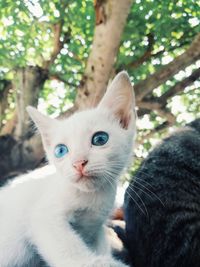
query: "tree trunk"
7, 85
17, 151
28, 83
110, 21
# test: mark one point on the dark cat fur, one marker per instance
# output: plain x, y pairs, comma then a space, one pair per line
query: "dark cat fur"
168, 234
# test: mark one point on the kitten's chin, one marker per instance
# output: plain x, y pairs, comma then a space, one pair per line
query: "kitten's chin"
86, 184
85, 187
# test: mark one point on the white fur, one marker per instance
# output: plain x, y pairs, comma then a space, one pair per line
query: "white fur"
62, 218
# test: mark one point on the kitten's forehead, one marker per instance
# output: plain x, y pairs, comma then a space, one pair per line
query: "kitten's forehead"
88, 120
81, 126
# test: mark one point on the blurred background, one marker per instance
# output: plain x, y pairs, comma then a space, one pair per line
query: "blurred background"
60, 55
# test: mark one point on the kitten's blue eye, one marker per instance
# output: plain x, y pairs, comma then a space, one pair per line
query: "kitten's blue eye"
60, 151
100, 138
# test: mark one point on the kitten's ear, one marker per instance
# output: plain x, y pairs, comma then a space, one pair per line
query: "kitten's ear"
43, 123
120, 100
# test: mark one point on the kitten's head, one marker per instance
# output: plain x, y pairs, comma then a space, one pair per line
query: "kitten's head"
91, 148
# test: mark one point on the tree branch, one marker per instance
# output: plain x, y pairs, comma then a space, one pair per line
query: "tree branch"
147, 54
166, 114
100, 13
57, 77
151, 133
57, 44
179, 87
159, 104
156, 103
166, 72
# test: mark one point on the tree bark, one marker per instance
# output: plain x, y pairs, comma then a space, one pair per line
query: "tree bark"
18, 151
191, 55
110, 24
147, 54
159, 103
28, 83
7, 85
151, 133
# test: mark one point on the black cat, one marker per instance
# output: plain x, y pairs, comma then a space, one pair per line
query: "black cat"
162, 204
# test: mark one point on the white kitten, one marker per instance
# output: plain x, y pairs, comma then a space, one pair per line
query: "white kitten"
62, 216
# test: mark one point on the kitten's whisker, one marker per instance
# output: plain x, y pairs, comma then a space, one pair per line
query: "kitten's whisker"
137, 187
149, 194
138, 178
107, 179
154, 194
114, 173
111, 177
136, 203
110, 182
140, 200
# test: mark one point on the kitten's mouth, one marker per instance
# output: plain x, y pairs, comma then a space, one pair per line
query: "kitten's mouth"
82, 177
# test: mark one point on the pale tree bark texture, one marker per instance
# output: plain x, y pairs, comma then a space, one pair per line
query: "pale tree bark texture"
28, 82
110, 21
6, 86
16, 155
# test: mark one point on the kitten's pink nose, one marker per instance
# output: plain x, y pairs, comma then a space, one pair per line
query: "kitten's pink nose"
79, 165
